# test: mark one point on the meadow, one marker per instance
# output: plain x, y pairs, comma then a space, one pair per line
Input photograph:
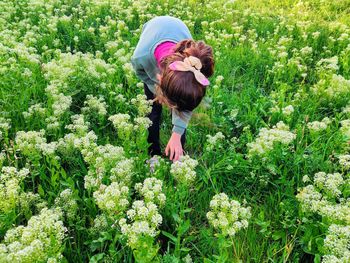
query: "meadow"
266, 175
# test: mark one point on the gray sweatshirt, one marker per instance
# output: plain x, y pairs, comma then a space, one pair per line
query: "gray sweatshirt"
155, 31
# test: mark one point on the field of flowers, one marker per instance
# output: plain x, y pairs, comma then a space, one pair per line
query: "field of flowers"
266, 177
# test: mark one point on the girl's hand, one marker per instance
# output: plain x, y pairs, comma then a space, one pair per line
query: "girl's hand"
174, 147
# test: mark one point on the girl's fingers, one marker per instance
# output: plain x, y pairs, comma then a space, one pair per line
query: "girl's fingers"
176, 156
167, 150
172, 153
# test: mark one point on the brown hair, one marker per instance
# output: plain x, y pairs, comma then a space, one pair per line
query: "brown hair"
180, 90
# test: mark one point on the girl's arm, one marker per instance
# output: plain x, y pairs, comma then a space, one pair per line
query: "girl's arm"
141, 73
180, 122
174, 147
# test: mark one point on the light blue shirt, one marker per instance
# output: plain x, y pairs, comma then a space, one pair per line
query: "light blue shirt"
155, 31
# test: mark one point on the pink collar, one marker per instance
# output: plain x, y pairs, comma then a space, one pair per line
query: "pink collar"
163, 49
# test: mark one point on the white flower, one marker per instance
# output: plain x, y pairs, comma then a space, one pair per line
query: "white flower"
316, 126
144, 220
143, 105
227, 216
330, 183
183, 170
324, 197
337, 244
122, 122
268, 137
333, 88
35, 109
67, 203
151, 190
344, 160
345, 128
10, 187
44, 232
112, 199
212, 141
288, 110
122, 171
94, 105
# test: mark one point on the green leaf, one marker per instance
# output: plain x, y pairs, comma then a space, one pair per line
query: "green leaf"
97, 257
184, 227
278, 235
317, 258
41, 190
170, 236
176, 218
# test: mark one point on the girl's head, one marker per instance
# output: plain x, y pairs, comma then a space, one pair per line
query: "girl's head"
180, 90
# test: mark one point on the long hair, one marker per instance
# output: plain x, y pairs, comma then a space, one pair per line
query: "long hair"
180, 90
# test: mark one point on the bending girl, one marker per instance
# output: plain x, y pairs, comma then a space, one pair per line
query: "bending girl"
174, 69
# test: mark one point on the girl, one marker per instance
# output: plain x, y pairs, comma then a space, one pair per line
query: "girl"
174, 69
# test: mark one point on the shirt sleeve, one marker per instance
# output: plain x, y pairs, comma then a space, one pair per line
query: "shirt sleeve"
142, 74
139, 70
180, 123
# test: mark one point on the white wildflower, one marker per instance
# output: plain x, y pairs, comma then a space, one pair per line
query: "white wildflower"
227, 216
183, 170
112, 199
268, 137
151, 190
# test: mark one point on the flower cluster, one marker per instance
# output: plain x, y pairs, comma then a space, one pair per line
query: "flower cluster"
67, 65
61, 104
2, 156
183, 170
227, 216
95, 105
329, 183
29, 142
112, 199
334, 88
268, 137
5, 124
100, 224
151, 191
288, 110
40, 241
346, 110
142, 123
324, 197
79, 138
344, 161
345, 128
122, 171
337, 244
33, 143
212, 141
144, 220
78, 126
35, 109
67, 203
143, 105
316, 126
122, 123
52, 123
59, 71
10, 189
328, 64
101, 160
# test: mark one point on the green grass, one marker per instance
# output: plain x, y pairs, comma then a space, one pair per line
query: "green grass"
277, 231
